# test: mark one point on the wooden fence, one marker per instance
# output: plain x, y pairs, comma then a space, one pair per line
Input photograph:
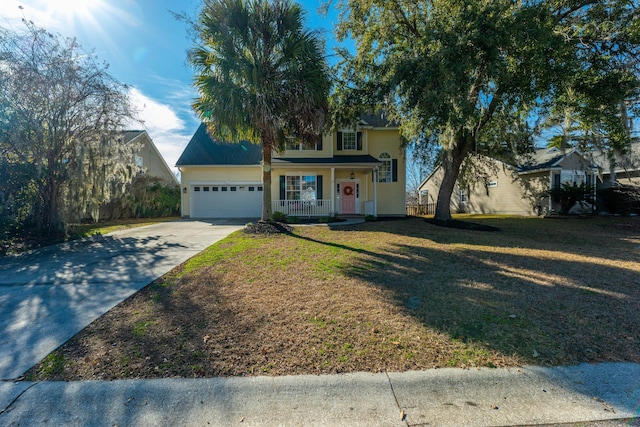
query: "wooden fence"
419, 210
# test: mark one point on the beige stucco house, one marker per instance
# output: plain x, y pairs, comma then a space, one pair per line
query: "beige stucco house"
515, 189
357, 171
148, 158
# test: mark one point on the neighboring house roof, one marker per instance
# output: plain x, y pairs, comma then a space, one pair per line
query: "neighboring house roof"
629, 161
338, 160
167, 175
438, 166
130, 135
202, 150
547, 158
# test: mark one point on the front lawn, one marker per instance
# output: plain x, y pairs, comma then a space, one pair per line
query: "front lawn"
388, 295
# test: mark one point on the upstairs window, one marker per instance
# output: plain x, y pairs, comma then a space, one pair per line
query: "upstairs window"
349, 140
385, 173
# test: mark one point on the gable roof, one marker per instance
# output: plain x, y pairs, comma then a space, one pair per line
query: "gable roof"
438, 166
204, 151
629, 161
131, 135
547, 158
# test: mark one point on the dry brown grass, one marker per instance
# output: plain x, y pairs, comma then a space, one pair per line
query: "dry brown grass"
389, 295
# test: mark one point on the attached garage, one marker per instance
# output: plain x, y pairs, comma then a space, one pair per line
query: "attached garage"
220, 179
226, 201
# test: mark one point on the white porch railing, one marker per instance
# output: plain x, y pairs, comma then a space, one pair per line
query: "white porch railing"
302, 207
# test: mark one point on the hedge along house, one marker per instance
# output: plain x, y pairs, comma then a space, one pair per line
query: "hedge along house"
357, 171
516, 189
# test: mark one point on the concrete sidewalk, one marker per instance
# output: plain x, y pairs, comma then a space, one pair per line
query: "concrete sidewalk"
441, 397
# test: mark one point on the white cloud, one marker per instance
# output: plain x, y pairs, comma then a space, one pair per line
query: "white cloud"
167, 130
155, 115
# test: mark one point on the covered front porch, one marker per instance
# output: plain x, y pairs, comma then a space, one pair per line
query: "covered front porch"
302, 188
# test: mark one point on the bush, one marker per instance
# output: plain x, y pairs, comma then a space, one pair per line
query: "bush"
370, 218
569, 194
619, 199
279, 216
333, 217
145, 197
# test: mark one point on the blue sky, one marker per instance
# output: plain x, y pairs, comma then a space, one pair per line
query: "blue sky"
145, 47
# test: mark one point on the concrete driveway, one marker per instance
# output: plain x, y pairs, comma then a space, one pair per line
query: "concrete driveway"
49, 295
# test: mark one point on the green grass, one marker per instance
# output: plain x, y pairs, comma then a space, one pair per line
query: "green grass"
385, 295
53, 365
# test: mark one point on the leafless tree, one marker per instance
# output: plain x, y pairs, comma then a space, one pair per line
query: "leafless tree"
60, 114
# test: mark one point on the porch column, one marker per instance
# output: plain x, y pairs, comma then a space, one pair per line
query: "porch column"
375, 191
333, 190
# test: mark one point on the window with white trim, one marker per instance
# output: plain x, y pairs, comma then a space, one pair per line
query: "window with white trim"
301, 187
463, 197
570, 177
385, 173
349, 140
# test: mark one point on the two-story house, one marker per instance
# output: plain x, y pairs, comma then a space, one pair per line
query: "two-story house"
357, 171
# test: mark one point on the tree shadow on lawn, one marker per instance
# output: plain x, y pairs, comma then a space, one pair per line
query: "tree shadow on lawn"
612, 238
558, 304
165, 330
546, 311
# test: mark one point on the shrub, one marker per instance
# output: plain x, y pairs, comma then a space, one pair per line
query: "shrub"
619, 199
333, 217
279, 216
569, 194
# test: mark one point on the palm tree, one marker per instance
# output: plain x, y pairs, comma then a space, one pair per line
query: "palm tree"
260, 76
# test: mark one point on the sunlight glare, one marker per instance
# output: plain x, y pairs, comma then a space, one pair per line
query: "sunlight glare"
74, 9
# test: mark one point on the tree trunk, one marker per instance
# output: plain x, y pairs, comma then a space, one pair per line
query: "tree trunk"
53, 223
266, 181
451, 163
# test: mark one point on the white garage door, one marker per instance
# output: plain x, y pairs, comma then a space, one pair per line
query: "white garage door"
226, 201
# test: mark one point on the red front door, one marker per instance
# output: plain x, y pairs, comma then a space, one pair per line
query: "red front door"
348, 198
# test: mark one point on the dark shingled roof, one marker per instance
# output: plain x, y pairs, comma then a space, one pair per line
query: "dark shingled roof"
202, 150
326, 160
543, 159
378, 120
